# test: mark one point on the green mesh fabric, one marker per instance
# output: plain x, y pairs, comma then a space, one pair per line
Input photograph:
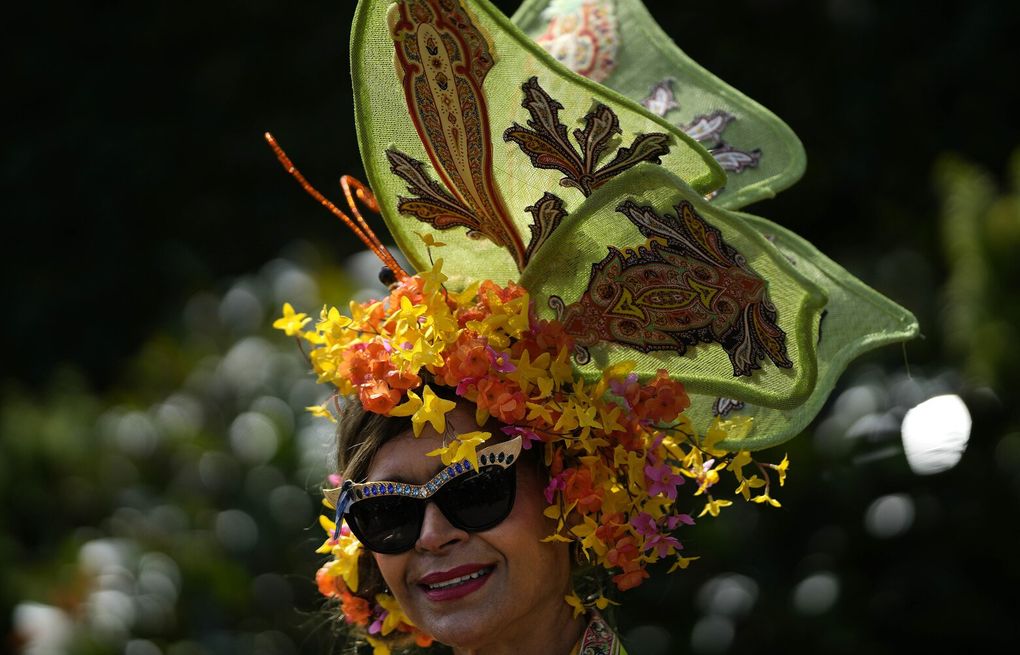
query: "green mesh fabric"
826, 316
645, 57
563, 267
857, 319
383, 122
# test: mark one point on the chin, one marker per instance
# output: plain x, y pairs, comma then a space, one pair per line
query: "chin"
469, 622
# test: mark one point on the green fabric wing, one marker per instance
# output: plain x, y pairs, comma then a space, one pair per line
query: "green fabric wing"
618, 43
647, 270
829, 317
857, 319
437, 84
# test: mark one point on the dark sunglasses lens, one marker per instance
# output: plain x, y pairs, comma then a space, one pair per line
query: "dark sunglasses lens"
480, 501
386, 524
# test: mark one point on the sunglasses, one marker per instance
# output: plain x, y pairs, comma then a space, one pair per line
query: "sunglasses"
386, 517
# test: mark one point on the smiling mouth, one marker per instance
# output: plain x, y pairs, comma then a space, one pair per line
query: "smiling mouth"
455, 582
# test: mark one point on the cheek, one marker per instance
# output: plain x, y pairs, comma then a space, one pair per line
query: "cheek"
527, 526
392, 568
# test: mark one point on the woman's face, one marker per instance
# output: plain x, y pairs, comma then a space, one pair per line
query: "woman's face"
467, 588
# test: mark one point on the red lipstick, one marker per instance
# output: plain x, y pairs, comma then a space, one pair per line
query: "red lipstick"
455, 583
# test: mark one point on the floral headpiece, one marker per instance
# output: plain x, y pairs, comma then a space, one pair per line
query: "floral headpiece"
647, 335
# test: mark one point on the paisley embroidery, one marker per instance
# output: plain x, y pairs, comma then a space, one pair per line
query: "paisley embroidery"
546, 214
661, 99
683, 287
442, 59
722, 407
599, 639
582, 36
548, 146
706, 129
734, 160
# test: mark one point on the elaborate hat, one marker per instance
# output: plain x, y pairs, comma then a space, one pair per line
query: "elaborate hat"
583, 274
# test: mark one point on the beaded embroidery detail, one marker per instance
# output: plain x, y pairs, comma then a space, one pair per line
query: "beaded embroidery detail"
502, 455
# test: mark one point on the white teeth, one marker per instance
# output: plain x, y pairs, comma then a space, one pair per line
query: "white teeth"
461, 580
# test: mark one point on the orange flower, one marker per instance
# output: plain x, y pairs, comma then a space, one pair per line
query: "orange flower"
402, 380
469, 361
611, 529
355, 608
422, 639
630, 579
580, 489
330, 586
665, 399
378, 397
623, 553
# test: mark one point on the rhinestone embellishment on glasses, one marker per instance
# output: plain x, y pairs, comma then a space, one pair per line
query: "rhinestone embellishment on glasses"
502, 455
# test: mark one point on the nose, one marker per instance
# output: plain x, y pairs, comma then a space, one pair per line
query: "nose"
437, 533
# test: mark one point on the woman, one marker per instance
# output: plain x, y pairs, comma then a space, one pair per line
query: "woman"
490, 429
496, 590
473, 547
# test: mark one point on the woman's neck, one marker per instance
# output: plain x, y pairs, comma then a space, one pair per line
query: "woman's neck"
551, 630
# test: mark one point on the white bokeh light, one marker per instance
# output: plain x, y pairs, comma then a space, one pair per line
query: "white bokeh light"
935, 434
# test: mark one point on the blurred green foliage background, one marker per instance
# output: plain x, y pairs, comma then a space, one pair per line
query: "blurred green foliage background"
158, 474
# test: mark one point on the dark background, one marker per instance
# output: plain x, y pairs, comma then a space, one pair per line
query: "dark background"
133, 160
135, 176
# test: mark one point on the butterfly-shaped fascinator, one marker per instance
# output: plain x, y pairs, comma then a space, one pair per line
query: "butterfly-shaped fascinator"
566, 187
611, 198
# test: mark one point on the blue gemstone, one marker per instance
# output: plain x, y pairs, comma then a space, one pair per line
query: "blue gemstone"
501, 457
467, 465
389, 488
509, 459
458, 468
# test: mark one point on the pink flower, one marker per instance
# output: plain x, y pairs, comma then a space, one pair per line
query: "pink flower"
661, 544
662, 480
673, 521
558, 483
645, 524
500, 361
464, 385
527, 435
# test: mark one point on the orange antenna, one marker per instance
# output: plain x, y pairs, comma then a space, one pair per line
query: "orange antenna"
358, 226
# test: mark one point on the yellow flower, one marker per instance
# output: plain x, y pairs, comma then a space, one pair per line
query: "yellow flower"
682, 563
433, 279
589, 540
432, 411
409, 407
765, 498
753, 482
345, 550
575, 601
332, 323
561, 368
602, 602
720, 429
463, 447
713, 506
781, 467
526, 373
429, 240
290, 322
320, 411
395, 613
536, 410
378, 646
742, 459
